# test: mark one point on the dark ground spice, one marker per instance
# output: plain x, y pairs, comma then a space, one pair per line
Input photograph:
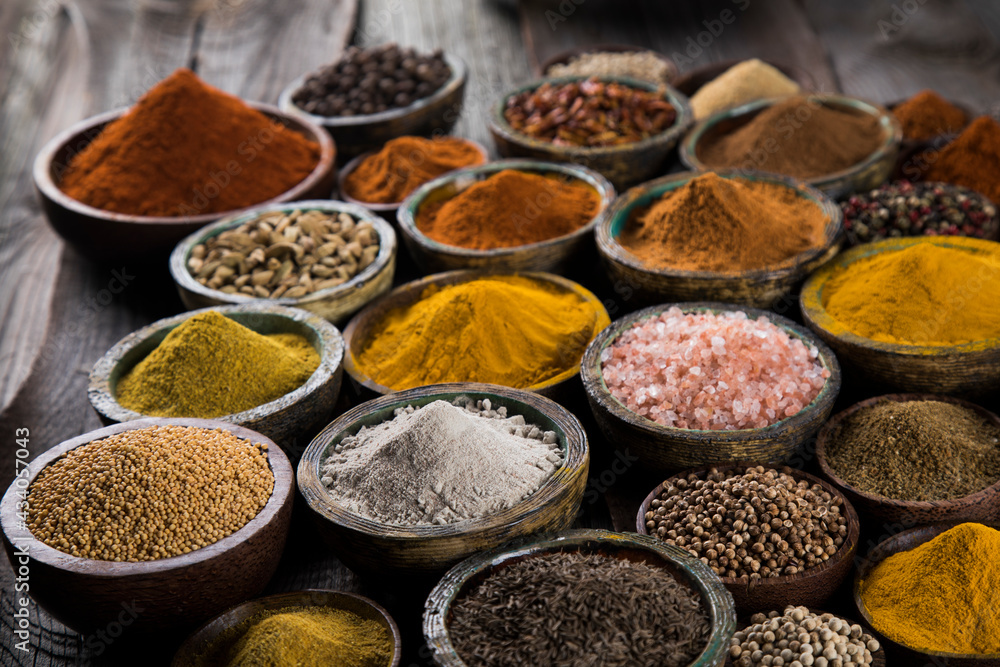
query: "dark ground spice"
575, 609
916, 450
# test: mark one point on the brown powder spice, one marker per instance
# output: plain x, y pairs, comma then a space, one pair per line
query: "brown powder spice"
927, 115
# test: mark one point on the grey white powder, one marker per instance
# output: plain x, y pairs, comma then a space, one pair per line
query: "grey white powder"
440, 464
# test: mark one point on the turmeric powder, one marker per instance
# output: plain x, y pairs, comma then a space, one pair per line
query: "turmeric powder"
925, 294
941, 595
508, 330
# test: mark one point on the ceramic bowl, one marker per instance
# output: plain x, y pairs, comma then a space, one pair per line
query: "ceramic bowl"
972, 368
106, 235
380, 549
355, 135
173, 594
761, 288
555, 255
688, 571
388, 211
361, 326
898, 652
691, 82
333, 303
284, 420
565, 56
811, 587
980, 506
622, 165
865, 175
672, 449
199, 649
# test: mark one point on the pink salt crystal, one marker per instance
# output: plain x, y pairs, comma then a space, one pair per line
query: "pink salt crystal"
712, 371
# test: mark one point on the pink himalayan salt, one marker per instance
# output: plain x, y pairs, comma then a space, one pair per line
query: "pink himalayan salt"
711, 371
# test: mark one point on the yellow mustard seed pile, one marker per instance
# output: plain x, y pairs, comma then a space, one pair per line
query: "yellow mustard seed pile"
149, 493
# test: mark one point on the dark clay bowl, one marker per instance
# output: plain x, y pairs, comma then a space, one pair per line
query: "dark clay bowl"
174, 594
971, 368
865, 175
691, 82
368, 546
286, 419
671, 449
196, 649
688, 570
980, 506
106, 235
810, 587
899, 653
555, 255
761, 288
565, 56
622, 165
355, 135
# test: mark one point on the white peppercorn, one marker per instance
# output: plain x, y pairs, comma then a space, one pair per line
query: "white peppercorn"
800, 638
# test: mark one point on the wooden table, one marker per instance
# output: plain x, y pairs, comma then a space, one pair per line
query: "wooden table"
63, 61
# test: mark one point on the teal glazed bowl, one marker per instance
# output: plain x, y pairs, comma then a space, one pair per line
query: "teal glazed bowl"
865, 175
624, 164
760, 288
687, 569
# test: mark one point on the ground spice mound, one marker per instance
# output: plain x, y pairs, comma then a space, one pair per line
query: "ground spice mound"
927, 115
744, 82
797, 137
186, 148
509, 209
710, 371
149, 493
916, 450
972, 160
725, 225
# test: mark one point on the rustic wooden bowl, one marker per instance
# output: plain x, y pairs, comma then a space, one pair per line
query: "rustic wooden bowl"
355, 135
334, 303
691, 82
900, 653
371, 547
627, 546
555, 255
284, 419
565, 56
810, 588
166, 595
760, 288
865, 175
673, 449
200, 647
105, 235
360, 328
622, 165
980, 506
972, 368
388, 211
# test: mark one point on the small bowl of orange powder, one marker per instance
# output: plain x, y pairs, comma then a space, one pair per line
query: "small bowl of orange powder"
510, 215
381, 180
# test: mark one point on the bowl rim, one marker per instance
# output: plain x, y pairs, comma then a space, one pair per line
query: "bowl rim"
386, 252
577, 458
825, 435
306, 597
563, 57
459, 74
46, 184
845, 551
499, 125
891, 546
892, 131
412, 291
281, 494
623, 205
331, 360
597, 388
378, 207
407, 214
715, 597
817, 318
